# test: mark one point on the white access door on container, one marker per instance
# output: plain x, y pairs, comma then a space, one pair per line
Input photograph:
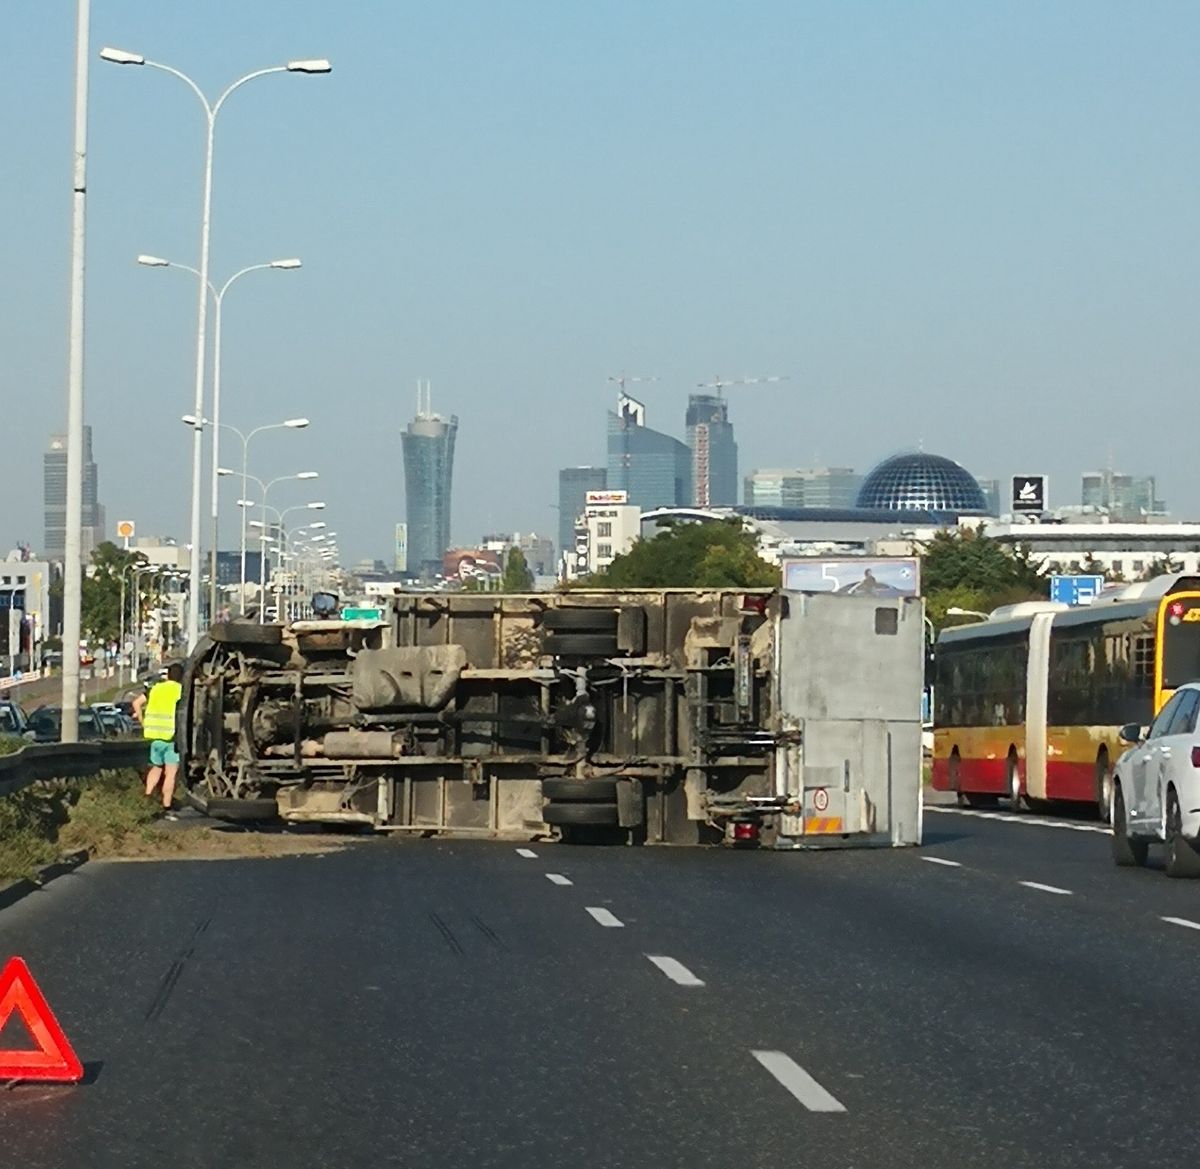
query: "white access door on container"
849, 683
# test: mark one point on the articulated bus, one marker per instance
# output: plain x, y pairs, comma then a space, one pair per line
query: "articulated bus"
1029, 703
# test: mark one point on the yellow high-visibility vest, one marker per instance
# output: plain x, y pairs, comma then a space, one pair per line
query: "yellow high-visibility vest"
158, 719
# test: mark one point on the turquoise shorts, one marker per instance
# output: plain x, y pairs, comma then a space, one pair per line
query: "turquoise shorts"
162, 751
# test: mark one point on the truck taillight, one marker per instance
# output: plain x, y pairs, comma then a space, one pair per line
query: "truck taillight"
1196, 756
745, 831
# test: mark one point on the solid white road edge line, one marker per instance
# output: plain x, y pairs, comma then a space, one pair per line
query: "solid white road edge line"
675, 971
1013, 818
526, 852
557, 879
1183, 921
1046, 888
604, 917
941, 860
797, 1081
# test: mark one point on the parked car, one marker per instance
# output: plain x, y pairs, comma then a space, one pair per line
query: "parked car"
112, 719
13, 719
1156, 788
45, 725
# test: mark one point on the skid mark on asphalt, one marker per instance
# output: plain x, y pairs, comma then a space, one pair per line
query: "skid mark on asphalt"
174, 972
797, 1081
1014, 818
447, 934
487, 931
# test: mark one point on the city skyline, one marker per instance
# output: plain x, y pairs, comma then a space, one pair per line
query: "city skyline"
921, 255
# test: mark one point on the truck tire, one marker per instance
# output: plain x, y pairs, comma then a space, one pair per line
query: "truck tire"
581, 621
1127, 851
245, 633
1182, 858
581, 791
240, 811
582, 645
593, 815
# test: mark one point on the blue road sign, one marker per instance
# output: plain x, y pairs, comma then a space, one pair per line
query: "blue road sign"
1075, 590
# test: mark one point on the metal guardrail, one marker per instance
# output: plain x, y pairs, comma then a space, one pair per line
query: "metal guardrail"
41, 761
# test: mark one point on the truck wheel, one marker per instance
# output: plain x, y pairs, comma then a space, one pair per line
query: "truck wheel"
582, 645
245, 633
594, 815
580, 621
1127, 851
1182, 858
590, 791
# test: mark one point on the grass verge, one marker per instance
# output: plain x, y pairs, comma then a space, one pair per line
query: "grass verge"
43, 822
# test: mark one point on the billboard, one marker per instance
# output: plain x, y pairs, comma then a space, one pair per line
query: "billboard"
1029, 493
605, 498
862, 576
400, 551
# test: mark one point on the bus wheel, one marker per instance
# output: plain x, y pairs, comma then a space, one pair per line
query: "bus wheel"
1126, 851
1182, 858
1104, 787
1014, 784
978, 799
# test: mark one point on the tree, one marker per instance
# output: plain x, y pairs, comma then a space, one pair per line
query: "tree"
691, 555
101, 612
517, 577
968, 570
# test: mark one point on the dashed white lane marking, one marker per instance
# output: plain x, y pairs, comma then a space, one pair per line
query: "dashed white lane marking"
1013, 818
1046, 888
797, 1081
1183, 921
675, 971
557, 879
526, 852
604, 917
941, 860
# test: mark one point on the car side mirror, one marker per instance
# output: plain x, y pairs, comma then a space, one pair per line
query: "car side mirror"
1132, 733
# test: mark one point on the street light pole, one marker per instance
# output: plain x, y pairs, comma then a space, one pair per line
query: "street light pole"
218, 297
211, 111
73, 538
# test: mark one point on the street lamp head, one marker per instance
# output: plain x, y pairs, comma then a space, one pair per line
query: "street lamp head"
315, 526
226, 471
309, 475
121, 57
313, 65
320, 506
296, 423
153, 261
257, 524
286, 265
193, 421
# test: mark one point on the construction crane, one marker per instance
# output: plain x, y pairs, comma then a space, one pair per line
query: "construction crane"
721, 383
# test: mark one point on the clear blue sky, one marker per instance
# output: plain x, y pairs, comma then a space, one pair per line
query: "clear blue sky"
968, 225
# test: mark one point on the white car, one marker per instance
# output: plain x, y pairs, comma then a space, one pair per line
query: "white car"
1156, 788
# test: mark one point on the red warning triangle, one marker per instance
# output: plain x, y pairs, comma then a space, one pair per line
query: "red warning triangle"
54, 1058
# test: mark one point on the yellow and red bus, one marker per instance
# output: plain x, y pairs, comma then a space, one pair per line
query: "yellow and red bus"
1029, 703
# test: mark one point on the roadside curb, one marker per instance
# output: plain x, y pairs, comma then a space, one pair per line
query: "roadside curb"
12, 893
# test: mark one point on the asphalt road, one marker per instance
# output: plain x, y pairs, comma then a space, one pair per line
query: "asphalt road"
439, 1003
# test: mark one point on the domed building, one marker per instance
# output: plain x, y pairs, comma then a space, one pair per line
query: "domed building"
922, 482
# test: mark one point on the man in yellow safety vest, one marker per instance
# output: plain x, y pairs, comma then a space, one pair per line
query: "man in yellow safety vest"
157, 713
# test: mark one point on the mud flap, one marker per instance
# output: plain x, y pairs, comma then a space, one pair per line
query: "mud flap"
631, 803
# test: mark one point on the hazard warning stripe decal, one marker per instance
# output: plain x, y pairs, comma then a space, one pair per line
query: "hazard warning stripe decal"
815, 825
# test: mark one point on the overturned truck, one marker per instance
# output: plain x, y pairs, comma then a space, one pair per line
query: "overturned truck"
659, 716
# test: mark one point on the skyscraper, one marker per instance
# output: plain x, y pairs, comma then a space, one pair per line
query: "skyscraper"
810, 487
1126, 498
714, 452
54, 499
573, 485
428, 445
654, 468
